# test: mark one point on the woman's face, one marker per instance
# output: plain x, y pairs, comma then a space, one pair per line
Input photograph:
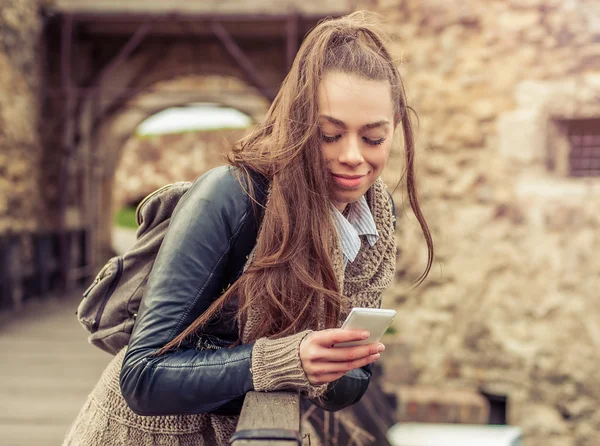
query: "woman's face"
356, 119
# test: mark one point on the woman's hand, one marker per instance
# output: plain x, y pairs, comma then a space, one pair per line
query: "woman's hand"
323, 363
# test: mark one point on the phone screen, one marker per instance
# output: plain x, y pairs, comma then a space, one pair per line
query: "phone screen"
374, 320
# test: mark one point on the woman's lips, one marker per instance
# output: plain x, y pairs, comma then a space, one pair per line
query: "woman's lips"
348, 180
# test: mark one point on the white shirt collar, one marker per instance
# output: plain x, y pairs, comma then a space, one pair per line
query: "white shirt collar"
360, 221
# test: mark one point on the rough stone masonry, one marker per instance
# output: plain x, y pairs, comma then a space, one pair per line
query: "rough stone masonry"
20, 151
512, 304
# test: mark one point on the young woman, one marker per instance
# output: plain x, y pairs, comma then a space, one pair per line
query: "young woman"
265, 257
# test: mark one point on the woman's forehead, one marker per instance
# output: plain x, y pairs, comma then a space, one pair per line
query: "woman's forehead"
354, 100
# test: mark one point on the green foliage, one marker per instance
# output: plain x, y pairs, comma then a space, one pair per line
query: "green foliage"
126, 218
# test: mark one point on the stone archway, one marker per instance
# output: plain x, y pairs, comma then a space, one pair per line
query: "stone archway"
115, 132
98, 58
115, 68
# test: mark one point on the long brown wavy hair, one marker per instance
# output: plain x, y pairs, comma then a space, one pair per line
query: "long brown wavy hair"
292, 276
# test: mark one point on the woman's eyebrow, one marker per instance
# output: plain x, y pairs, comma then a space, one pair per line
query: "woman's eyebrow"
342, 124
335, 121
374, 125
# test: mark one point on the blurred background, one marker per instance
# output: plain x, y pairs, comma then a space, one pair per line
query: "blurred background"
102, 102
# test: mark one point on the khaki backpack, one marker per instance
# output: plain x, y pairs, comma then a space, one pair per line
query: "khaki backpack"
110, 304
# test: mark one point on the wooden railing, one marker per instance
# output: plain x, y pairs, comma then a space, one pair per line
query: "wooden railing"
38, 264
271, 419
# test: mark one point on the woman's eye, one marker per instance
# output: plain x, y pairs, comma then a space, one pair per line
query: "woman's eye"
328, 138
374, 142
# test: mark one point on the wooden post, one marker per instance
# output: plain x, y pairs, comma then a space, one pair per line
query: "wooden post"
84, 255
291, 39
4, 290
66, 260
264, 415
67, 142
42, 261
15, 271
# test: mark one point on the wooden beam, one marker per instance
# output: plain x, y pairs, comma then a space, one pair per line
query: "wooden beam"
242, 60
126, 92
291, 39
67, 149
192, 11
268, 411
132, 44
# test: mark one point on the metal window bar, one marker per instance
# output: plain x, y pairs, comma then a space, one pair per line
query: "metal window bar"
584, 139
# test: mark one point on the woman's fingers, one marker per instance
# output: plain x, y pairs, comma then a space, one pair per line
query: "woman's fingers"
325, 368
323, 363
328, 338
345, 353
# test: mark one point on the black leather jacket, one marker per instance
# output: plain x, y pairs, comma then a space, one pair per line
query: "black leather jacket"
211, 233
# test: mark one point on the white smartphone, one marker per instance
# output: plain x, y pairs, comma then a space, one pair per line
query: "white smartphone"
374, 320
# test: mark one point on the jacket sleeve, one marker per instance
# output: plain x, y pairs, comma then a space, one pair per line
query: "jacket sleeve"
199, 249
347, 390
186, 278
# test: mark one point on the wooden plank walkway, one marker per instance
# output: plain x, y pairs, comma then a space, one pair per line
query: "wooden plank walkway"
47, 369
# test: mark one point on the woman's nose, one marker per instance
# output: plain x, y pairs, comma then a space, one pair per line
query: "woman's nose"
351, 153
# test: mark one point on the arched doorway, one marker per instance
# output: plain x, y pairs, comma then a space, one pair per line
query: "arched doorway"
118, 133
99, 59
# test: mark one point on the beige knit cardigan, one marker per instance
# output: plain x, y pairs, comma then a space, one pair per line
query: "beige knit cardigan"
105, 419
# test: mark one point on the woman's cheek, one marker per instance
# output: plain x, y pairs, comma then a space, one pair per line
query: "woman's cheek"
383, 156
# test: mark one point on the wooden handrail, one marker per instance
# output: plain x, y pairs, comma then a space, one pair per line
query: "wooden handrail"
23, 276
268, 413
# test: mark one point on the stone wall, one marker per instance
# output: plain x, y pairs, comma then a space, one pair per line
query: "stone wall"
19, 144
148, 163
511, 306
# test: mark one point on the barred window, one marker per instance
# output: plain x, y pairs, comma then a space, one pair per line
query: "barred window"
584, 152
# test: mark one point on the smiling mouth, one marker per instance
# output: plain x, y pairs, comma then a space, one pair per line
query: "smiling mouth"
349, 177
348, 181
